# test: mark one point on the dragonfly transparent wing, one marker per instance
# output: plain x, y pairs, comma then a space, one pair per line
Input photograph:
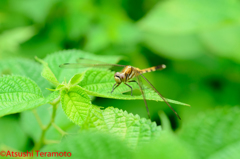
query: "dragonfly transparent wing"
161, 96
142, 91
91, 61
83, 63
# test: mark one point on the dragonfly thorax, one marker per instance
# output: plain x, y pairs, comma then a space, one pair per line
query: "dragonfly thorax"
119, 77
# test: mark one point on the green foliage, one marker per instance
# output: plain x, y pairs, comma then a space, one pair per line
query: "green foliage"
197, 40
75, 79
193, 28
19, 94
25, 67
214, 134
134, 130
31, 126
71, 56
165, 147
11, 127
76, 104
11, 39
35, 10
92, 145
47, 73
25, 95
99, 83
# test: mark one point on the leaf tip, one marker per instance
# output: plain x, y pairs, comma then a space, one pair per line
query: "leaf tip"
188, 105
36, 58
39, 60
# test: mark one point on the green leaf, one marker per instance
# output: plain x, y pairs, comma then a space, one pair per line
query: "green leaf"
36, 10
192, 28
25, 67
214, 134
70, 56
19, 93
133, 129
97, 39
167, 146
186, 46
51, 97
60, 86
76, 104
47, 73
229, 35
165, 123
12, 134
186, 18
11, 39
76, 26
99, 83
75, 79
91, 145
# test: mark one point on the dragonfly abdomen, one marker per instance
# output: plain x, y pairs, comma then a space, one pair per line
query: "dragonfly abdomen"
154, 68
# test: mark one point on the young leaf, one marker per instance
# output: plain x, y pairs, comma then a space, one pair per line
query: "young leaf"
19, 93
25, 67
75, 79
60, 86
91, 145
214, 134
71, 56
100, 82
76, 104
47, 73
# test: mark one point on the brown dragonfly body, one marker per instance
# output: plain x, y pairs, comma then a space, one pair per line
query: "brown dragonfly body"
125, 76
130, 72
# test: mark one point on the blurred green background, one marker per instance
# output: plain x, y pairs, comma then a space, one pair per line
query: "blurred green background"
199, 41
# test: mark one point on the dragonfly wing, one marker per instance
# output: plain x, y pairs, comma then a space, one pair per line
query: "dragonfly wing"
72, 65
95, 62
83, 63
142, 91
161, 96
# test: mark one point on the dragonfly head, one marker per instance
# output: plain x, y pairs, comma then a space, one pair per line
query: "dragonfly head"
119, 77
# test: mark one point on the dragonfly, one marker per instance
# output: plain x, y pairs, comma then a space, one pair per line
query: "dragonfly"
125, 76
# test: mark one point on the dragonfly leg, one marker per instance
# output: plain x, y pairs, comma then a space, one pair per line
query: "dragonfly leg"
113, 88
129, 87
133, 81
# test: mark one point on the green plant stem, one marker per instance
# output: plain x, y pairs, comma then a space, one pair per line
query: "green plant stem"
59, 129
38, 118
45, 128
52, 141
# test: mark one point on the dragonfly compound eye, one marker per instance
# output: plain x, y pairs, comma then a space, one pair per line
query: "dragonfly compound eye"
117, 77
